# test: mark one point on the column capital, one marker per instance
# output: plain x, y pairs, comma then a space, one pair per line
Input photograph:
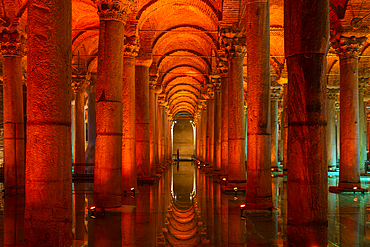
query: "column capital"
131, 47
12, 43
210, 91
332, 92
216, 83
115, 10
348, 47
275, 93
222, 64
80, 83
368, 117
362, 83
233, 42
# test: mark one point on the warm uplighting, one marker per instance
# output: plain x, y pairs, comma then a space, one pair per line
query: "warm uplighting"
355, 188
224, 179
198, 167
235, 188
92, 209
133, 191
272, 175
272, 169
355, 199
242, 208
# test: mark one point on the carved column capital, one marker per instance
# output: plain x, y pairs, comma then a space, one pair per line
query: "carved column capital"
362, 83
368, 118
12, 43
131, 47
275, 93
115, 10
210, 91
348, 47
222, 65
332, 93
79, 83
233, 42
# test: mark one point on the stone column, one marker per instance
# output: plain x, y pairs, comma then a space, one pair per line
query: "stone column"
307, 172
223, 71
275, 92
79, 84
217, 126
259, 194
204, 131
160, 130
48, 212
211, 124
129, 172
152, 121
362, 123
349, 173
337, 111
285, 130
368, 134
108, 155
142, 118
91, 121
12, 45
234, 43
331, 141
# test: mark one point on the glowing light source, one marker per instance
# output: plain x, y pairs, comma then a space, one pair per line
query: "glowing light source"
355, 188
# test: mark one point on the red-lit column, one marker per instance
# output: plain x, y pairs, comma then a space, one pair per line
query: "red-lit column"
307, 175
129, 172
223, 70
275, 92
152, 121
142, 118
332, 94
259, 194
91, 121
211, 124
217, 126
12, 45
48, 212
349, 173
362, 84
235, 51
79, 84
108, 151
285, 130
368, 134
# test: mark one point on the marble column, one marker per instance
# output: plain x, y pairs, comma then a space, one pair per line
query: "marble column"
307, 174
211, 124
217, 126
275, 92
258, 194
142, 118
152, 130
331, 141
12, 45
349, 173
108, 147
223, 71
368, 134
285, 130
362, 123
129, 169
234, 43
204, 131
91, 121
337, 111
79, 84
48, 180
160, 129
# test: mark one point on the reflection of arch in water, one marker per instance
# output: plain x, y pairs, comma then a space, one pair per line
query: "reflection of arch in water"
183, 181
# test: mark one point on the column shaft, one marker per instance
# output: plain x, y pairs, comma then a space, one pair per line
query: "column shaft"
48, 213
224, 125
217, 129
259, 194
152, 121
330, 131
274, 132
129, 172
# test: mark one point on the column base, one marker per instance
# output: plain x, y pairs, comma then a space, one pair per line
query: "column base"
338, 189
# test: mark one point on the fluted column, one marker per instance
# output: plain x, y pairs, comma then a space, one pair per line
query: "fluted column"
211, 124
129, 169
152, 121
259, 194
12, 46
142, 118
79, 84
223, 71
349, 173
331, 141
108, 154
234, 43
48, 212
275, 92
217, 126
307, 172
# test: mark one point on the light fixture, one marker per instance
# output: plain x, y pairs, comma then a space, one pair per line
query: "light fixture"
236, 192
92, 209
224, 179
242, 208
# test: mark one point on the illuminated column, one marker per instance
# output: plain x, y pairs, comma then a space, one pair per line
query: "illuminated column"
223, 71
48, 212
285, 130
349, 173
108, 155
204, 130
12, 45
152, 121
259, 194
79, 84
234, 44
332, 94
91, 121
211, 124
217, 126
142, 118
275, 92
368, 134
337, 110
362, 123
129, 172
307, 174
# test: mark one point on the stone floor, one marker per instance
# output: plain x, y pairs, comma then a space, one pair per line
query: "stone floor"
152, 217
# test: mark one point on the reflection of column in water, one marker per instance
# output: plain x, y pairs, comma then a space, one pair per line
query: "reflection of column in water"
261, 228
236, 224
367, 226
332, 201
13, 219
224, 219
217, 214
349, 219
210, 209
79, 203
143, 216
107, 228
90, 221
128, 221
153, 212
